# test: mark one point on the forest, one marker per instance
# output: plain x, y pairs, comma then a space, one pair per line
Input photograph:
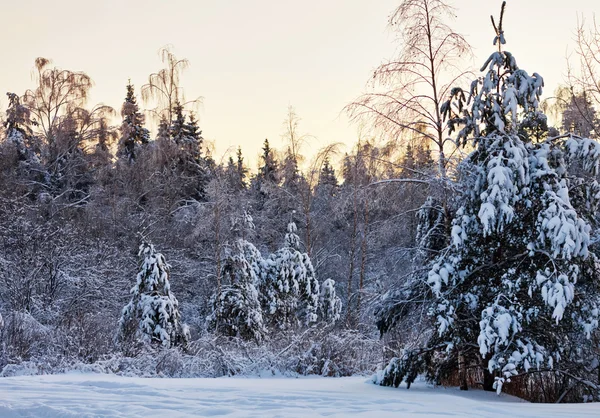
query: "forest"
457, 241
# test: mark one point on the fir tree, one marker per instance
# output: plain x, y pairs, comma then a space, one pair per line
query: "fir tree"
133, 133
153, 312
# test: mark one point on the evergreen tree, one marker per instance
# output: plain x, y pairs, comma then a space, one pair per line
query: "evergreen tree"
330, 305
177, 129
431, 229
289, 287
132, 128
290, 173
327, 176
236, 172
18, 125
242, 171
163, 133
192, 138
153, 312
268, 171
236, 305
518, 281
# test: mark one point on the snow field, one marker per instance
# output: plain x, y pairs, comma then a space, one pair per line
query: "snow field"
95, 395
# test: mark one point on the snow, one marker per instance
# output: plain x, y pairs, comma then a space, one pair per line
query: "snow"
86, 395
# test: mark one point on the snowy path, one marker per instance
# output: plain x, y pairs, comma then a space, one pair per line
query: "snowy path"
91, 395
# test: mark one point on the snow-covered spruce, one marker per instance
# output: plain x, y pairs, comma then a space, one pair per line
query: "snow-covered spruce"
153, 315
330, 305
518, 280
236, 306
133, 133
289, 287
431, 234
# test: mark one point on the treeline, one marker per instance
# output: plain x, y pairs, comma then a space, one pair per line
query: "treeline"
247, 254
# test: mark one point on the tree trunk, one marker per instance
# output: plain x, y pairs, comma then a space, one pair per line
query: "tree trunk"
488, 378
462, 371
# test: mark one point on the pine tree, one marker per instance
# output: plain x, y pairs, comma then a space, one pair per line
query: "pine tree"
133, 133
517, 281
153, 312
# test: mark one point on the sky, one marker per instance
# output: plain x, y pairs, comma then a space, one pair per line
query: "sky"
251, 59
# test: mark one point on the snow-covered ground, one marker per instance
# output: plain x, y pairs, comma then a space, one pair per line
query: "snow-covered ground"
93, 395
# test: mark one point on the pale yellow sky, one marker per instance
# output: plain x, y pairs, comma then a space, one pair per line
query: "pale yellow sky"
250, 59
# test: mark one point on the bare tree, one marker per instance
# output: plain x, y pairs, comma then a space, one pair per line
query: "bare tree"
409, 89
164, 85
58, 93
583, 82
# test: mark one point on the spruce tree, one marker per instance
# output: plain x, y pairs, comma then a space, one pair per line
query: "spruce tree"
18, 127
327, 176
177, 129
236, 172
163, 134
517, 288
152, 315
133, 133
289, 286
192, 138
268, 171
330, 305
236, 305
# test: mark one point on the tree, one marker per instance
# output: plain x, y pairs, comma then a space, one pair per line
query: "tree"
330, 305
268, 171
579, 116
237, 172
411, 87
163, 86
18, 128
327, 176
152, 316
192, 138
163, 135
58, 93
133, 133
517, 286
236, 305
289, 287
